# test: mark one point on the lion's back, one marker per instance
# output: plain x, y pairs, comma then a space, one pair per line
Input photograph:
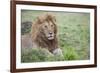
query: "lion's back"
26, 41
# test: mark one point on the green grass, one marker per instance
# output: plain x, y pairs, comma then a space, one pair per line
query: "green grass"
73, 34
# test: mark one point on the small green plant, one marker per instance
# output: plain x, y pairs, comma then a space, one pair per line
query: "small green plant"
70, 53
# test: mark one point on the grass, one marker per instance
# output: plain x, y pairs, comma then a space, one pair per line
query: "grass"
73, 34
38, 55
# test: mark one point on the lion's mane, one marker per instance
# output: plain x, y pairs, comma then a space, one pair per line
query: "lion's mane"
39, 37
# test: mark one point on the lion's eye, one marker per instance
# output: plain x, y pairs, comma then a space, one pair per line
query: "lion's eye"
51, 25
45, 26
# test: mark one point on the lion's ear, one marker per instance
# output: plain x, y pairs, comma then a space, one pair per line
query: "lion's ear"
40, 19
54, 18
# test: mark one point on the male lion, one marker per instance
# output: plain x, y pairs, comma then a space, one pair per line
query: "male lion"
44, 34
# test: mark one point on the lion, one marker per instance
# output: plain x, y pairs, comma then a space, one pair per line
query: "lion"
44, 34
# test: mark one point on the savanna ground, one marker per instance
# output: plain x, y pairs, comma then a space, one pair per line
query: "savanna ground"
73, 35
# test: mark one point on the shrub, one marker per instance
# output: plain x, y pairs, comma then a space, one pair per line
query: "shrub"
70, 53
26, 27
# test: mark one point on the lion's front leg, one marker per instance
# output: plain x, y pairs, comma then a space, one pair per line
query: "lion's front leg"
58, 52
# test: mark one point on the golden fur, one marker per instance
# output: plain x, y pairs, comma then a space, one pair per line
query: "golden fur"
44, 32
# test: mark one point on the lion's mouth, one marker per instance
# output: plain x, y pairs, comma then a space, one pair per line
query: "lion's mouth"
50, 37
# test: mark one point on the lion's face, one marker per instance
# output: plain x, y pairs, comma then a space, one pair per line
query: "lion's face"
47, 26
48, 30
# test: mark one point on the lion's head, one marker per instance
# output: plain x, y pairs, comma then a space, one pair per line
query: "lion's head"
47, 26
44, 31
